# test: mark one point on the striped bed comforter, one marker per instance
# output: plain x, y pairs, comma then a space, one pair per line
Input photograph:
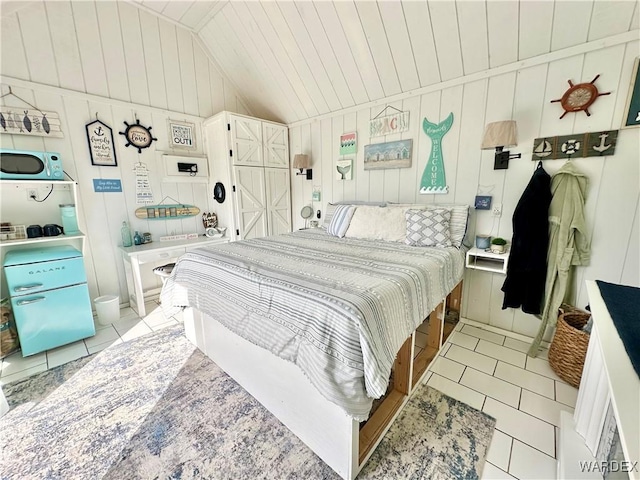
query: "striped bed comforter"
339, 308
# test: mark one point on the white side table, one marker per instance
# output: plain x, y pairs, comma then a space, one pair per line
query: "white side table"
479, 259
135, 256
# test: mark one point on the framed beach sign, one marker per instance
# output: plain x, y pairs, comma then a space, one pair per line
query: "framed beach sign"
388, 155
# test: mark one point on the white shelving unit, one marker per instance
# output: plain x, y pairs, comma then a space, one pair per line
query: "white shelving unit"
17, 209
487, 261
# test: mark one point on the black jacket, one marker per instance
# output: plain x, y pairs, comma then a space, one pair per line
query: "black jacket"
527, 267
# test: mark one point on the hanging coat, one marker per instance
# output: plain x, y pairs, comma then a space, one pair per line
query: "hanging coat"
568, 243
527, 267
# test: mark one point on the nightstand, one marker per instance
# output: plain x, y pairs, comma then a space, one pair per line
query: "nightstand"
487, 261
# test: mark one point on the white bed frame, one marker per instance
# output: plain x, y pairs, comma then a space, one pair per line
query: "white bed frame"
282, 388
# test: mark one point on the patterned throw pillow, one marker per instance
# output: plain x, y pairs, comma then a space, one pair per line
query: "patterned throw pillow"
340, 220
428, 228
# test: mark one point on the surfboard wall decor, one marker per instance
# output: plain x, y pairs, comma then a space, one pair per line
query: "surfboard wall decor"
167, 212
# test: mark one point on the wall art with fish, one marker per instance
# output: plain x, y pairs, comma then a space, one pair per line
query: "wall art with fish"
18, 121
344, 169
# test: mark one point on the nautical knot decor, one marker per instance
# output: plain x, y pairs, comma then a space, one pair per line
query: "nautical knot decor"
156, 407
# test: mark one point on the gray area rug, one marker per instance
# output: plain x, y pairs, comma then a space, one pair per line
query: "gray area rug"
156, 407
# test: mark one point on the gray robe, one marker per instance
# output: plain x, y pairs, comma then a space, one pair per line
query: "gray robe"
568, 243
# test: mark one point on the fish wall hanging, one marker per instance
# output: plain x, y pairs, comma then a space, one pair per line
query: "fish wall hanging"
31, 121
18, 121
433, 177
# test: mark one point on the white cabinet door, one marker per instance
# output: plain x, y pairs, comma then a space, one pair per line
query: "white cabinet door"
250, 198
278, 200
246, 141
275, 139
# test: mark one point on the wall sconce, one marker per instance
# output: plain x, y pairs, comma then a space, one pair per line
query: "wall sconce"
303, 162
499, 135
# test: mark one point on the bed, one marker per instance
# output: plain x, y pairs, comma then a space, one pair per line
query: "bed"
313, 325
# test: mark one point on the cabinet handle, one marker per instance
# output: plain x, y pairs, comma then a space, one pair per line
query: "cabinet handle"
24, 288
27, 302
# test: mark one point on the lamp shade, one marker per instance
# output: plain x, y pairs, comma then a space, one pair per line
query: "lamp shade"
500, 134
301, 161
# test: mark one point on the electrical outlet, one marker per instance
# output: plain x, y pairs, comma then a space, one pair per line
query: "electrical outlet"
32, 194
496, 210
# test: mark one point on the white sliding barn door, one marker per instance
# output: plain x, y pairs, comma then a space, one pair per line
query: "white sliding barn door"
246, 141
276, 145
250, 199
278, 200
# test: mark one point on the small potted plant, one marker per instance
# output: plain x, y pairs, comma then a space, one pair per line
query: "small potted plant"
498, 245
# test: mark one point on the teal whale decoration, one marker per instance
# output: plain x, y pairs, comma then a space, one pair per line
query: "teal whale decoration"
433, 178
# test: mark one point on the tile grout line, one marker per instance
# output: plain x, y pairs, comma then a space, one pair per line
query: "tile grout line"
521, 411
513, 439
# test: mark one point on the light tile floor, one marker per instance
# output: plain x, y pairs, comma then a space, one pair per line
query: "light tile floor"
489, 371
130, 326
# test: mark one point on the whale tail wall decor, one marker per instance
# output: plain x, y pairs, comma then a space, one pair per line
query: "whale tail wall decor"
433, 178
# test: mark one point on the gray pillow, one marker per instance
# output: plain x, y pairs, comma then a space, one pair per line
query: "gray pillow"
428, 228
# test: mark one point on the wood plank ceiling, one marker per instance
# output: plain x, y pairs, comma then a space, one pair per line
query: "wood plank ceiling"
296, 60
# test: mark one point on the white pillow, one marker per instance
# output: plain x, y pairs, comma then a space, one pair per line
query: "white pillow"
428, 228
378, 223
331, 208
340, 220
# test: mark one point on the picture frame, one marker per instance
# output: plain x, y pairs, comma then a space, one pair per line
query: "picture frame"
396, 154
344, 169
483, 202
182, 135
101, 144
348, 143
631, 115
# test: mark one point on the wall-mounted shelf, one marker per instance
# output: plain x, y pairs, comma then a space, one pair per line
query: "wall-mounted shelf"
480, 259
27, 241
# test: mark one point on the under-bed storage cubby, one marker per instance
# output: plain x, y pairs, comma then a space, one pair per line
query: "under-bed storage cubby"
385, 408
413, 359
452, 311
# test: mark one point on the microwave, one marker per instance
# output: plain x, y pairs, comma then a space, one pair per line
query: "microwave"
28, 165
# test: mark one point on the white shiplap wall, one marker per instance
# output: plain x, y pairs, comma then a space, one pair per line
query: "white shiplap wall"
317, 57
523, 95
111, 59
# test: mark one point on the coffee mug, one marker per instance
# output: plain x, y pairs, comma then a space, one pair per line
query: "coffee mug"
34, 231
52, 230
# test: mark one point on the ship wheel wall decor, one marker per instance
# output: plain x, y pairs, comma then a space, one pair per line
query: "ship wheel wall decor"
579, 97
138, 135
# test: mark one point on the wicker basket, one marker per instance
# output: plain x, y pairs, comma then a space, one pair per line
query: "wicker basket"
569, 346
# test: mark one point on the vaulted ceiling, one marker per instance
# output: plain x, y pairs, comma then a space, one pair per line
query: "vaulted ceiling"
294, 60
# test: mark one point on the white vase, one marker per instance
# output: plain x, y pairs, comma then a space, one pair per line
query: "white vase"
497, 248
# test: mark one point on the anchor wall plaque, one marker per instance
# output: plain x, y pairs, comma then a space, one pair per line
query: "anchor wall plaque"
101, 144
591, 144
